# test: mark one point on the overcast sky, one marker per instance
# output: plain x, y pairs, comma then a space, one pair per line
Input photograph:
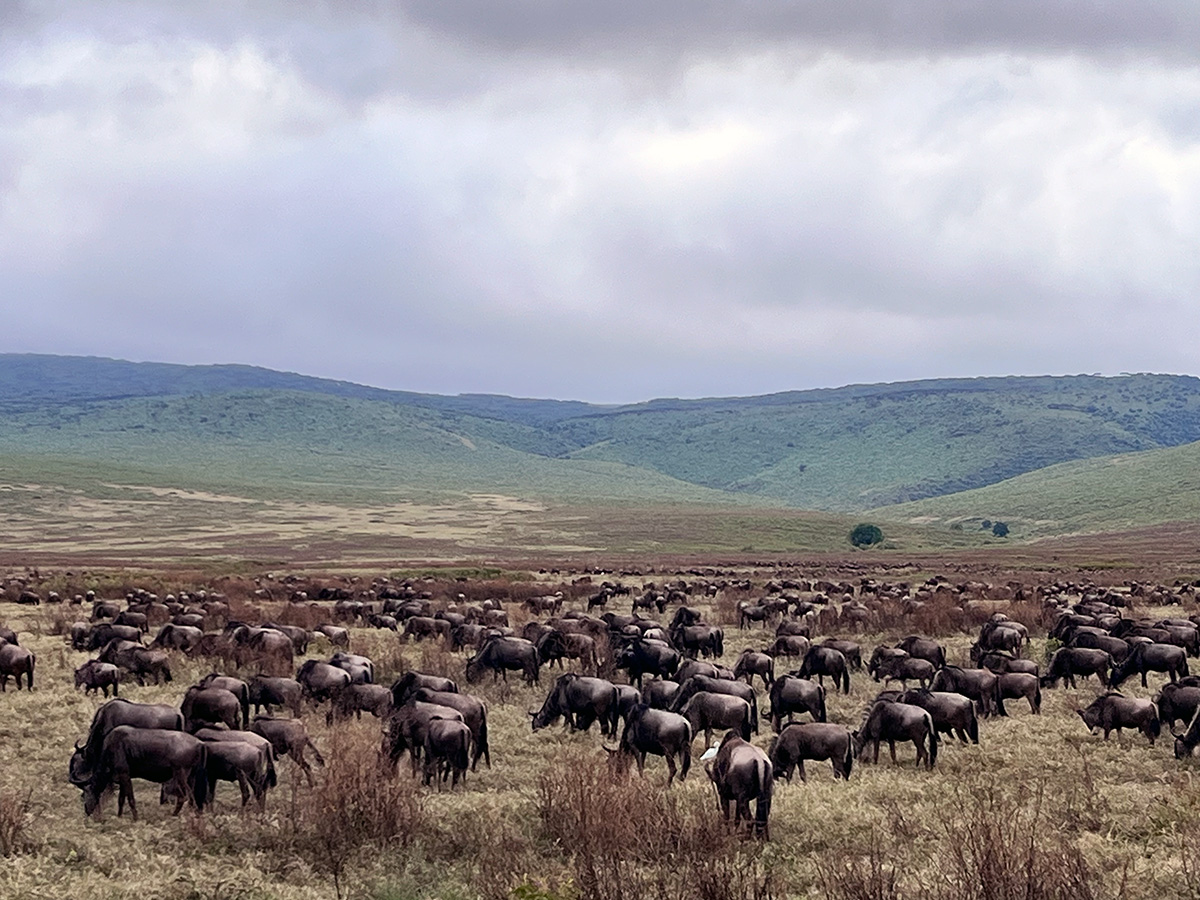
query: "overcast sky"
609, 201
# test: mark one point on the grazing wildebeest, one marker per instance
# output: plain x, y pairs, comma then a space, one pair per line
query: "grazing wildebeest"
822, 661
698, 683
360, 668
8, 636
743, 773
272, 690
754, 662
1001, 663
1144, 658
319, 681
504, 653
1117, 648
337, 635
16, 661
1014, 685
791, 695
138, 660
659, 732
706, 711
154, 754
1177, 702
849, 649
953, 714
264, 769
1067, 662
555, 646
903, 669
235, 686
924, 648
580, 701
689, 667
791, 645
627, 698
412, 681
812, 740
104, 633
177, 637
94, 675
1186, 743
981, 685
660, 693
288, 737
446, 747
120, 712
355, 699
209, 705
406, 730
888, 721
235, 756
474, 713
702, 640
645, 657
1114, 711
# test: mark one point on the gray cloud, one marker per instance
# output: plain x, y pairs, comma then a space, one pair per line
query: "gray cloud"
604, 201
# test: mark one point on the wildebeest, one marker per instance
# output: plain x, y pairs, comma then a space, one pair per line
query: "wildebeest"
698, 683
336, 635
660, 693
1014, 685
891, 722
981, 685
319, 680
138, 660
1186, 743
742, 773
754, 662
706, 711
105, 632
273, 690
791, 695
288, 737
235, 686
210, 705
406, 729
822, 661
1001, 663
697, 639
689, 667
924, 648
580, 701
177, 637
952, 713
355, 699
502, 654
1114, 711
902, 669
812, 740
446, 750
658, 732
1117, 648
1144, 658
361, 669
849, 649
113, 714
1067, 662
154, 754
647, 657
241, 757
94, 675
412, 681
554, 646
475, 715
1177, 702
17, 662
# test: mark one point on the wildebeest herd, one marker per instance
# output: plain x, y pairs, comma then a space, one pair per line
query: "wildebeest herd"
653, 686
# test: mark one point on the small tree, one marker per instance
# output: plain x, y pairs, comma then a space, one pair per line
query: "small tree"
985, 524
1000, 529
865, 535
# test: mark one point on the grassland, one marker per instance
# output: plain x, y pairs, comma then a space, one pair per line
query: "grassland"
1039, 809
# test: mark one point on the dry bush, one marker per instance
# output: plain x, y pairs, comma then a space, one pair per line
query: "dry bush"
627, 839
940, 616
305, 615
870, 876
354, 810
16, 813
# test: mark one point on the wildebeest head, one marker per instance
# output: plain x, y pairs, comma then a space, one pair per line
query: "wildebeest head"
1090, 716
77, 772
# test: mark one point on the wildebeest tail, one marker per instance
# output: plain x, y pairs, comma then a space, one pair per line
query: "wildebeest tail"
1154, 727
614, 712
1037, 695
29, 669
745, 729
766, 787
973, 725
846, 679
753, 715
821, 716
272, 781
482, 741
933, 740
198, 779
686, 762
848, 758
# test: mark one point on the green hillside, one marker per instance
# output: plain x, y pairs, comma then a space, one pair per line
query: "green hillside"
844, 449
1114, 493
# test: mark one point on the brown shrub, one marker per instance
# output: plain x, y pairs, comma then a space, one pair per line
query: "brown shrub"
16, 813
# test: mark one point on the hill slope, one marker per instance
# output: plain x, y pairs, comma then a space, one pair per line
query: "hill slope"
844, 449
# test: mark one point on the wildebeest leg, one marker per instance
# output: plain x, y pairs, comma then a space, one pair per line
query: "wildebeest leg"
919, 743
800, 770
126, 793
670, 769
875, 758
707, 738
298, 759
892, 749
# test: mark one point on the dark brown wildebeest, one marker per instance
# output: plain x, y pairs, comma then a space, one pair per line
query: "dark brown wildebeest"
647, 657
210, 705
981, 685
94, 675
241, 757
658, 732
177, 637
903, 669
410, 682
555, 646
699, 640
361, 669
138, 660
822, 661
748, 614
1002, 663
706, 711
1187, 741
355, 699
953, 714
1067, 662
336, 635
924, 648
16, 661
474, 713
235, 686
791, 695
1117, 648
689, 667
1014, 685
502, 654
660, 693
891, 722
447, 743
8, 636
698, 683
270, 690
580, 701
154, 754
849, 649
1177, 702
754, 662
1144, 658
115, 713
288, 737
791, 645
104, 633
264, 766
742, 773
1114, 711
812, 740
319, 681
406, 730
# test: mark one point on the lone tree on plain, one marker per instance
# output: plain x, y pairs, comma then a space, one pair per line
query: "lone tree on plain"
1000, 529
865, 535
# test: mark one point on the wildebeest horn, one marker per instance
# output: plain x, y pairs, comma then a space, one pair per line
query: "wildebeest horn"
532, 712
77, 747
